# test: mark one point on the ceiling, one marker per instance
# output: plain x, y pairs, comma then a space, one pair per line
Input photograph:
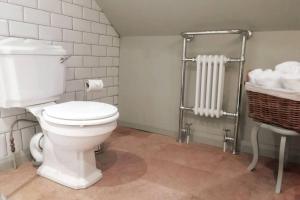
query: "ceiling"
171, 17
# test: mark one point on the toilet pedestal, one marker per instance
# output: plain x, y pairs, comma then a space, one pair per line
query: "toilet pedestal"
70, 168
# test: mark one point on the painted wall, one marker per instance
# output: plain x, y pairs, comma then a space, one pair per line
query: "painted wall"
150, 82
171, 17
83, 30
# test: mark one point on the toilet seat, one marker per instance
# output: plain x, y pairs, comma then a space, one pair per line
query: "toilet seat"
80, 113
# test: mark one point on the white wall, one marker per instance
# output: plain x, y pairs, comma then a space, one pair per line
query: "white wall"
83, 30
171, 17
150, 82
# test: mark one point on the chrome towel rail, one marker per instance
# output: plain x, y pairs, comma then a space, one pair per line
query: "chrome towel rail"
246, 33
188, 37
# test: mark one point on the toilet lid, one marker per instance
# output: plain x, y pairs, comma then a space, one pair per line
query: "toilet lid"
81, 111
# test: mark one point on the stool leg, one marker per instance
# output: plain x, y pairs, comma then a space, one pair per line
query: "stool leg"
281, 164
286, 151
254, 142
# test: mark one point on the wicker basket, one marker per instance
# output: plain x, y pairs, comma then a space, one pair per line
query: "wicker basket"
276, 107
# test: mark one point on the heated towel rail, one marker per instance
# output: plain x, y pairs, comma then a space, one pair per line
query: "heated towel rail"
184, 129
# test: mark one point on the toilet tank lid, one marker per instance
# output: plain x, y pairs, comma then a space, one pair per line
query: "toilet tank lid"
19, 46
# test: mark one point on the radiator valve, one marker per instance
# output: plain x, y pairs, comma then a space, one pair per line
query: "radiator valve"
188, 132
227, 138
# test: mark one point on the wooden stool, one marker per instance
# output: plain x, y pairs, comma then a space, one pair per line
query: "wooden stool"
254, 141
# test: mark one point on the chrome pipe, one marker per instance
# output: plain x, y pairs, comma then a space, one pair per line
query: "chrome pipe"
182, 90
189, 59
247, 33
239, 95
187, 108
228, 60
12, 139
228, 114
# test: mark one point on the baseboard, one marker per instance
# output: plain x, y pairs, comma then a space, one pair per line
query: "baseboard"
214, 140
217, 140
147, 128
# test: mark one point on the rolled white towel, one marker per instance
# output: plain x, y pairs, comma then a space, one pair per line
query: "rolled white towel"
253, 74
290, 67
269, 79
291, 82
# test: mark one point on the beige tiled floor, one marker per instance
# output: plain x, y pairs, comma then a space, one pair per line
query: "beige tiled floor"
139, 165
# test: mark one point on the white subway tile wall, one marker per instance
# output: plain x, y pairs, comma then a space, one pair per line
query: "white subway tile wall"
87, 35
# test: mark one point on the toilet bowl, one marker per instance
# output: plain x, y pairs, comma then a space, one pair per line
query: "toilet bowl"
71, 132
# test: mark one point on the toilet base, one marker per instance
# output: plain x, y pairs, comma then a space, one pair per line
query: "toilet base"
67, 166
69, 181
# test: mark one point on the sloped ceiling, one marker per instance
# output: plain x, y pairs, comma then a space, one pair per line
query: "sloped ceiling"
171, 17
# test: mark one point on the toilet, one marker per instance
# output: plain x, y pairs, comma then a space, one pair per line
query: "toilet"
32, 76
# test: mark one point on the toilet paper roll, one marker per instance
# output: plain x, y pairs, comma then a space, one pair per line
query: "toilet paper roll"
93, 85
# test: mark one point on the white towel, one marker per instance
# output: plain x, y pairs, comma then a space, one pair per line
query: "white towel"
285, 76
291, 82
253, 74
290, 67
290, 75
265, 78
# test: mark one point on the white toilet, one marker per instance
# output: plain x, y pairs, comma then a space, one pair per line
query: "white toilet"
33, 77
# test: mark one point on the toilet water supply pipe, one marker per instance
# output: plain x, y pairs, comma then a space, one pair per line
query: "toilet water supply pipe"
12, 142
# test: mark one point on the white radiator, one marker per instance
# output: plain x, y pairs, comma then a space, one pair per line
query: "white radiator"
209, 85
